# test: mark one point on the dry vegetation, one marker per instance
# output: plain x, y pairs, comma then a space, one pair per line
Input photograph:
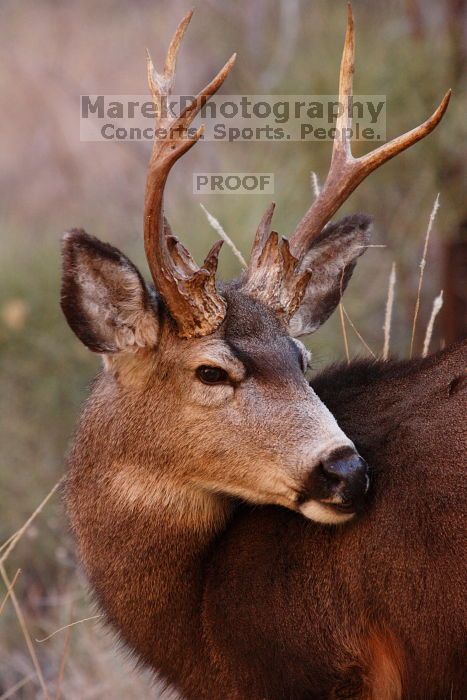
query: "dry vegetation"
51, 53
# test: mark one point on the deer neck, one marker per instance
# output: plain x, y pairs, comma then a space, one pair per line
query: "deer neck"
178, 528
145, 542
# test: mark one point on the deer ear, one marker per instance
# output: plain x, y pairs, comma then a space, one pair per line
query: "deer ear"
332, 259
104, 298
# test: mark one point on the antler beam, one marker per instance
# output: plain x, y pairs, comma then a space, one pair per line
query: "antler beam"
347, 172
188, 291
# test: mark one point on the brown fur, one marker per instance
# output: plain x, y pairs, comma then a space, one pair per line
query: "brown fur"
228, 601
386, 667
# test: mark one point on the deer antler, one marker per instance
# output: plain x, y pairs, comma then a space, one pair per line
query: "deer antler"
188, 291
275, 274
347, 172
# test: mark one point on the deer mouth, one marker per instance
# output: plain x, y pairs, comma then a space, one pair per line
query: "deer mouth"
327, 513
345, 507
337, 489
349, 508
347, 503
335, 509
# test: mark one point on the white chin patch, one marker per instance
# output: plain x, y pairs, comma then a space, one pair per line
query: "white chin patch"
322, 514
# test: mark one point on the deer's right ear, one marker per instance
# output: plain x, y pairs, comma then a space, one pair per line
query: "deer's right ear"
104, 298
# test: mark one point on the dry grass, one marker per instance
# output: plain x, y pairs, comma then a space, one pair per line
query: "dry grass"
437, 305
388, 312
8, 548
78, 684
215, 224
357, 333
434, 211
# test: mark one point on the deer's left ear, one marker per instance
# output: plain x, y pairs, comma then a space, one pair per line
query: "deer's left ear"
104, 298
332, 259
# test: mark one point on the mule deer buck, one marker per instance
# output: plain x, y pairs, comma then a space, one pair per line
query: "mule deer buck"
202, 409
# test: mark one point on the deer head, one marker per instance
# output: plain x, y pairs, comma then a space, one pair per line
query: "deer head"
203, 389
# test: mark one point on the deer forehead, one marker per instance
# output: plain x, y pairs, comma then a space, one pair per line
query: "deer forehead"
244, 358
250, 343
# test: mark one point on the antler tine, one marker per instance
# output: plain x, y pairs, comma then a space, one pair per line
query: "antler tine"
174, 46
162, 83
261, 236
346, 73
347, 172
189, 292
273, 275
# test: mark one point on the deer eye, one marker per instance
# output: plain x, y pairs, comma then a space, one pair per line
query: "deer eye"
212, 375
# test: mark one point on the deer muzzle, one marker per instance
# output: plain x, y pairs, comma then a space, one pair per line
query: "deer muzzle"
337, 488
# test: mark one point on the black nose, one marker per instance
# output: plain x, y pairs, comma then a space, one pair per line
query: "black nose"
346, 476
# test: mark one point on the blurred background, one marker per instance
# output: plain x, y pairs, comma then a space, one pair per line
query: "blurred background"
50, 53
